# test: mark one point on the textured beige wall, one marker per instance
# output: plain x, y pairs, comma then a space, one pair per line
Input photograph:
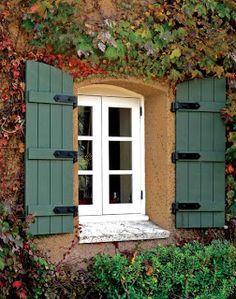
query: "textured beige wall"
158, 147
159, 177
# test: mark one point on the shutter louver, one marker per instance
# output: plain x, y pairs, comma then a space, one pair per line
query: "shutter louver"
200, 179
48, 180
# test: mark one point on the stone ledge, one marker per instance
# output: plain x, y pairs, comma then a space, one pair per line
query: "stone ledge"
96, 232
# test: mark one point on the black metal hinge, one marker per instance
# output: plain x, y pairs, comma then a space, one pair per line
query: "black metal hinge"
181, 105
66, 154
61, 98
66, 210
141, 110
184, 156
141, 195
176, 206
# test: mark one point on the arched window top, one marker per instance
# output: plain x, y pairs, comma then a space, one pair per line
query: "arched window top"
107, 90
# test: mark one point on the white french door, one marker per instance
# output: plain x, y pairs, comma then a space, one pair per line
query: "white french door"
109, 155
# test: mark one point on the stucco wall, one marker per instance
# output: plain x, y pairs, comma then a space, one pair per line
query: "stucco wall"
159, 143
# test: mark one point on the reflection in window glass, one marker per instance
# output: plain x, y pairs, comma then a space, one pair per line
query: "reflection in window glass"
85, 190
85, 154
120, 155
120, 122
120, 189
85, 121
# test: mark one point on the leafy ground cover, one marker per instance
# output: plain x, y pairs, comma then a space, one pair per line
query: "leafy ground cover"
192, 271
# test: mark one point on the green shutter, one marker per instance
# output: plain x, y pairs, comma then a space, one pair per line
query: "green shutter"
48, 180
201, 181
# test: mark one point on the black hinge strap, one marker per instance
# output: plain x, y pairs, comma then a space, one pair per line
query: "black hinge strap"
141, 195
141, 111
176, 206
184, 156
66, 210
181, 105
60, 154
66, 99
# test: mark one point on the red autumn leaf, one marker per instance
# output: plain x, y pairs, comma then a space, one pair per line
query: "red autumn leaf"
1, 284
6, 13
17, 284
230, 168
26, 246
23, 294
3, 142
21, 147
16, 74
23, 107
34, 8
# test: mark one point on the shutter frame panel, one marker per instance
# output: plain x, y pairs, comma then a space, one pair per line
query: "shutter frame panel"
201, 131
48, 180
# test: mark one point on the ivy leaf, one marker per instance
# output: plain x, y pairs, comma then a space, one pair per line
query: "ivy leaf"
196, 74
111, 53
219, 70
115, 53
174, 75
2, 264
176, 53
28, 25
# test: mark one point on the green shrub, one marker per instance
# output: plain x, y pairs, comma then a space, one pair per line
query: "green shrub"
192, 271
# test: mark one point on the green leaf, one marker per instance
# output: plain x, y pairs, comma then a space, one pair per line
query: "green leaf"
176, 53
111, 53
2, 264
28, 25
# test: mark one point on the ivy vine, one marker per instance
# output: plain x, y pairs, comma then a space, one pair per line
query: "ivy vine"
172, 39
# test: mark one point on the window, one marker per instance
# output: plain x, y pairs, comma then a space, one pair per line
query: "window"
110, 146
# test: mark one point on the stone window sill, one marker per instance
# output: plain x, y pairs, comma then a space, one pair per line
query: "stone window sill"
120, 230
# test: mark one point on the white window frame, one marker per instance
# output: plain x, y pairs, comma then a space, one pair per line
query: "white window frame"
94, 102
101, 209
134, 105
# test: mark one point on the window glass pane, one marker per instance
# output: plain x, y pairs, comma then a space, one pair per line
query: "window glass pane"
120, 189
85, 121
120, 155
85, 154
120, 122
85, 190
